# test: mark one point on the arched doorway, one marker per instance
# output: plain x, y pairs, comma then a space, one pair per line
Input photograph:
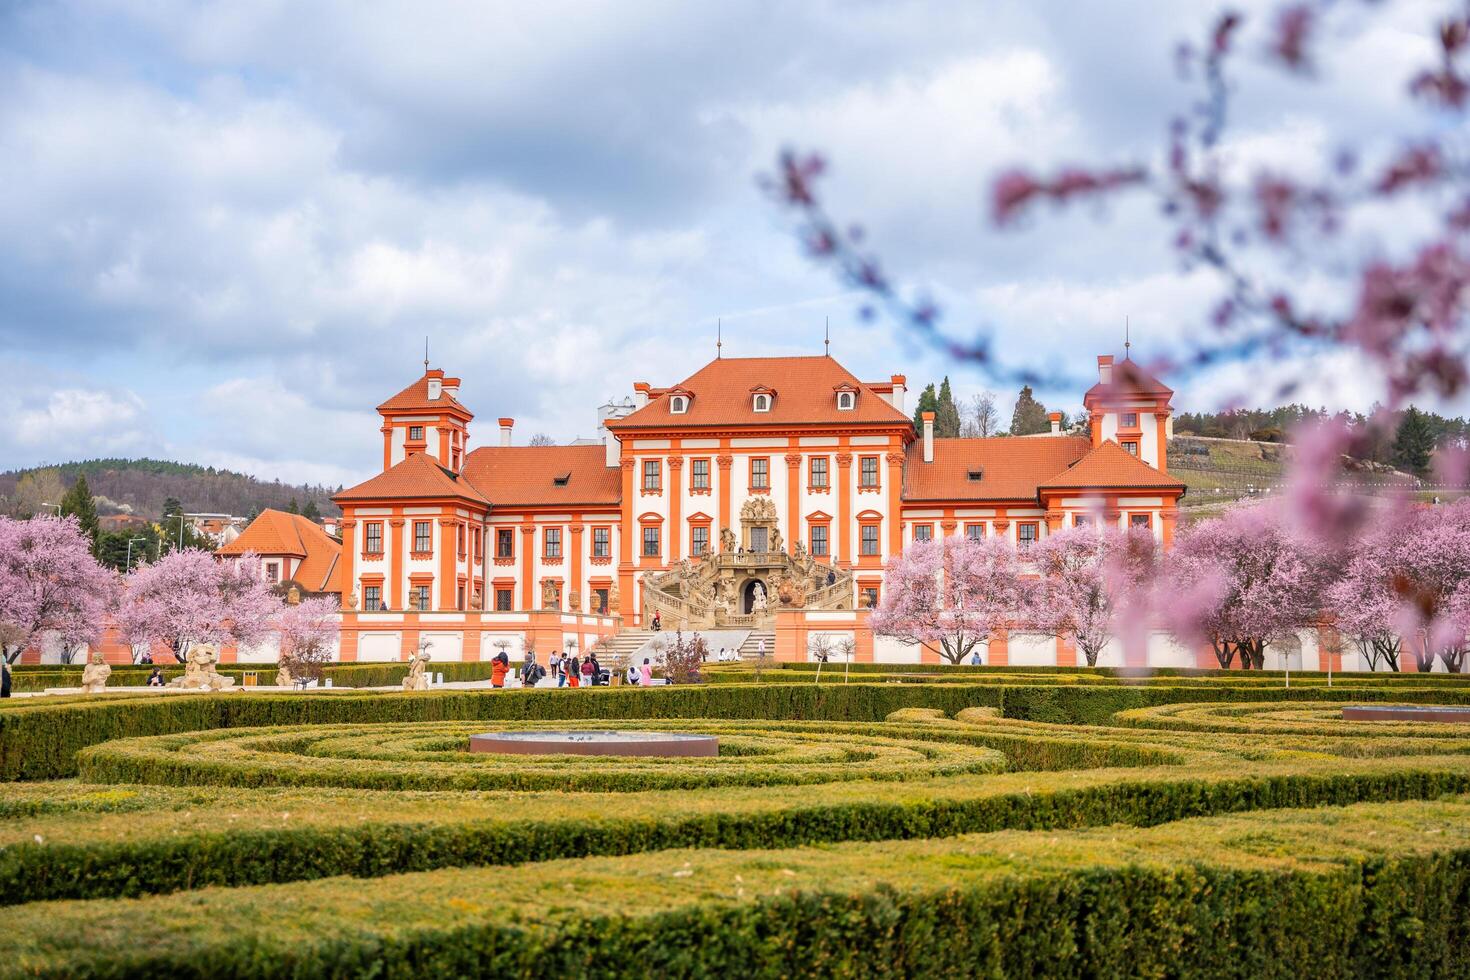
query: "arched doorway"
748, 594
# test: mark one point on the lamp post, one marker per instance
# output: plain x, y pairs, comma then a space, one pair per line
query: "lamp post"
129, 566
57, 506
181, 531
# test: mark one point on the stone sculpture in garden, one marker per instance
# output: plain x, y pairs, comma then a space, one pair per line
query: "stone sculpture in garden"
95, 674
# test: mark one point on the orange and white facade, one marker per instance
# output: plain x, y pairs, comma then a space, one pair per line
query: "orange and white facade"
506, 546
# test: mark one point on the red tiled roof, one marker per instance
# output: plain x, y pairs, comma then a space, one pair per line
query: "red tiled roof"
526, 476
416, 396
275, 532
1128, 380
418, 475
1010, 468
805, 393
1110, 465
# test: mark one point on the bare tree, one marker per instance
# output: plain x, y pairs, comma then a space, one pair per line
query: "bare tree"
541, 439
980, 417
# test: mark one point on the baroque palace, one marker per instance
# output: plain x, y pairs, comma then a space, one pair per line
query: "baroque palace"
759, 495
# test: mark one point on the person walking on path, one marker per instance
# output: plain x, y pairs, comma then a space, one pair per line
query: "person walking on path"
571, 668
554, 665
760, 647
589, 671
499, 665
645, 674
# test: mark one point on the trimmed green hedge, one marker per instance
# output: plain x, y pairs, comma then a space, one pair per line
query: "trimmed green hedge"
1373, 897
39, 677
39, 738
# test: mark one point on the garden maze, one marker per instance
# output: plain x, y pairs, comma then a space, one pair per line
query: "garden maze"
980, 822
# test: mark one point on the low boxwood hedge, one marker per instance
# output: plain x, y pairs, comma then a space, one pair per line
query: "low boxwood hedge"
1370, 894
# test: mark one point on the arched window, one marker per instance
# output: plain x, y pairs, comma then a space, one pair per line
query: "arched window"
762, 403
845, 401
678, 405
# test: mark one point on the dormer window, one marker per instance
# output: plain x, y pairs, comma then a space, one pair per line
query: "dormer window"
679, 404
846, 401
975, 476
562, 480
762, 403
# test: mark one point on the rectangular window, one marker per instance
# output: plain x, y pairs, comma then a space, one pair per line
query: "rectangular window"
421, 598
505, 542
975, 531
600, 597
423, 541
1132, 447
1140, 520
923, 532
819, 471
372, 598
868, 471
372, 538
272, 573
819, 539
1026, 533
459, 537
699, 474
459, 598
758, 539
1081, 520
870, 596
416, 433
651, 475
870, 539
1130, 420
699, 540
601, 542
502, 600
760, 473
650, 542
479, 542
552, 542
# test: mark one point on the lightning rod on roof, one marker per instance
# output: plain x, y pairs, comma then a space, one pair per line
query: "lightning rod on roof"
719, 336
1127, 338
426, 353
827, 335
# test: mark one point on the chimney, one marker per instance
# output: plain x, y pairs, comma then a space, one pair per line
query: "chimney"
505, 427
928, 418
435, 386
900, 388
451, 387
1056, 423
1105, 368
640, 393
614, 448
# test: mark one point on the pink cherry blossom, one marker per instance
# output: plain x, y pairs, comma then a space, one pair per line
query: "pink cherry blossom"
952, 593
189, 596
1093, 585
49, 582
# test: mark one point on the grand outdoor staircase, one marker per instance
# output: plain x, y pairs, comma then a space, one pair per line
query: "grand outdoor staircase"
748, 649
621, 646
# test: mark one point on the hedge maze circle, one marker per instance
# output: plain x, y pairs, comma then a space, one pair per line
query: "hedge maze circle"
1109, 828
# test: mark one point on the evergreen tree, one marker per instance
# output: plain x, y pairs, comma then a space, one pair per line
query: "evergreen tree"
1029, 416
311, 511
254, 513
946, 413
1413, 442
171, 506
78, 503
293, 507
928, 402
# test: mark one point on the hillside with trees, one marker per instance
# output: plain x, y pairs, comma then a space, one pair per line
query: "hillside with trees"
142, 487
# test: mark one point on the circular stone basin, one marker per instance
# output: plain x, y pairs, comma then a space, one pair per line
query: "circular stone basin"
596, 743
1405, 712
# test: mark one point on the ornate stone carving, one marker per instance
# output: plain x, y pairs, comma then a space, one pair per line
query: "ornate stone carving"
758, 600
725, 462
574, 601
418, 662
95, 674
352, 600
844, 459
548, 594
199, 670
614, 599
777, 544
283, 675
758, 510
728, 542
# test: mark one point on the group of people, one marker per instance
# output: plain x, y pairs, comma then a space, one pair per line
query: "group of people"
570, 671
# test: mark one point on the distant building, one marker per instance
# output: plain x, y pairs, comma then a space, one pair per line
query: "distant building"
115, 523
293, 549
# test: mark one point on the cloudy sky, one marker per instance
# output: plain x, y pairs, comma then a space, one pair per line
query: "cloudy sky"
225, 230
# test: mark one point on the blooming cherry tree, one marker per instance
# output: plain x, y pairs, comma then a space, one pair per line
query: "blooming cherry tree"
307, 630
189, 597
49, 582
1093, 581
1423, 578
1241, 581
952, 593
